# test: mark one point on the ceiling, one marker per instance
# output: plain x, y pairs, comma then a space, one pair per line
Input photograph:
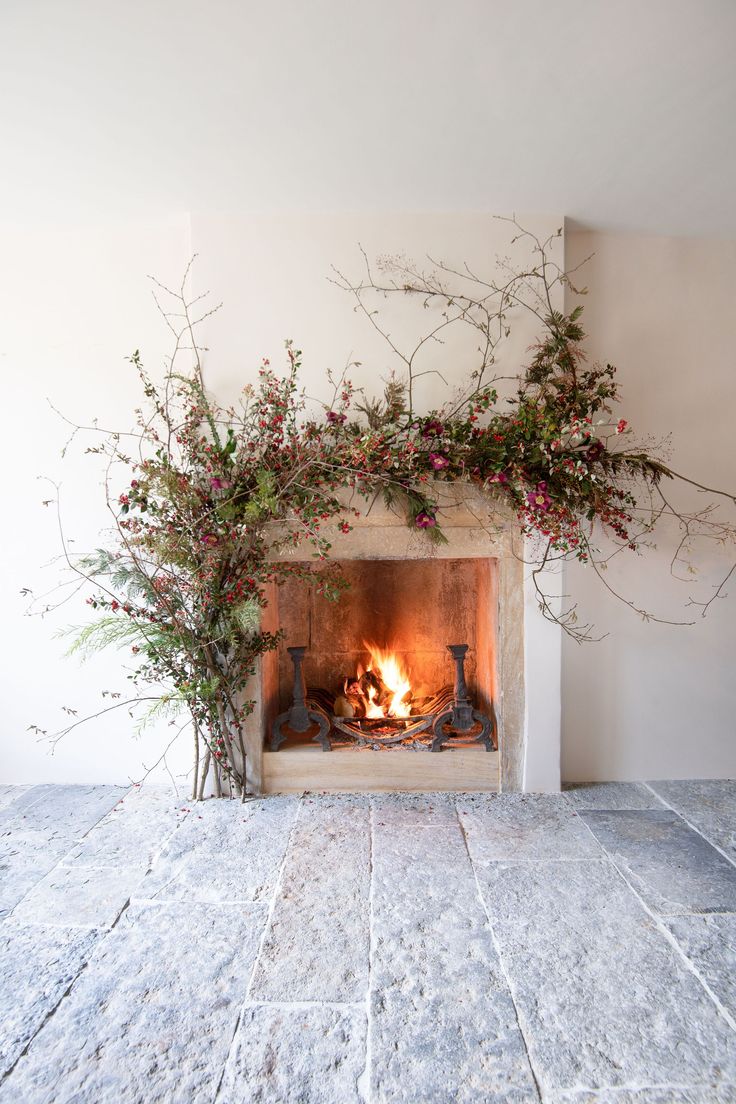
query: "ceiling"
617, 113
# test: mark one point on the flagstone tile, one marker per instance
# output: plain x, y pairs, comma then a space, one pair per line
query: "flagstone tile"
604, 999
25, 859
37, 966
415, 810
523, 826
152, 1016
297, 1055
673, 867
658, 1094
86, 896
64, 811
318, 940
9, 794
708, 804
224, 851
710, 944
134, 831
610, 795
442, 1017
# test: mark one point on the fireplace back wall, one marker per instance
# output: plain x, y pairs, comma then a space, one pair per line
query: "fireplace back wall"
414, 608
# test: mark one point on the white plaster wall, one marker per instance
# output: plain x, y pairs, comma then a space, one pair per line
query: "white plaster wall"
653, 700
543, 679
75, 302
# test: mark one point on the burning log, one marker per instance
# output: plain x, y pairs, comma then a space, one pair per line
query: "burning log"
344, 707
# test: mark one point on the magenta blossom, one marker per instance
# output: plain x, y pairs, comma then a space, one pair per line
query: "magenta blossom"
219, 484
539, 499
425, 520
433, 428
438, 461
498, 477
336, 419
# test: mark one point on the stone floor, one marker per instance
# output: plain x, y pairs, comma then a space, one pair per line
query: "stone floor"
576, 949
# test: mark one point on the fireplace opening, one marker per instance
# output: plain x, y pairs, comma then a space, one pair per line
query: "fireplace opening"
405, 659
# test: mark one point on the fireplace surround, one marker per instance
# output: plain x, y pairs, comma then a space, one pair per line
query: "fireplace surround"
417, 597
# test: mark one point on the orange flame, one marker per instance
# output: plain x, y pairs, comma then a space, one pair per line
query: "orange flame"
396, 679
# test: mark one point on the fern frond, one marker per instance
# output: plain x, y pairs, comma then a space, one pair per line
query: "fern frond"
247, 616
167, 708
107, 632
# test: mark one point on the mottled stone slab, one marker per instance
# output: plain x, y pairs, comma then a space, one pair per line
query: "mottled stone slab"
523, 826
658, 1094
709, 805
40, 827
604, 999
443, 1024
673, 868
134, 831
710, 944
37, 966
299, 1055
86, 896
25, 859
318, 940
610, 795
224, 851
9, 794
152, 1017
66, 811
415, 810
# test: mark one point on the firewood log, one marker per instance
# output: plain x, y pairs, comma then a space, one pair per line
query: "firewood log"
343, 707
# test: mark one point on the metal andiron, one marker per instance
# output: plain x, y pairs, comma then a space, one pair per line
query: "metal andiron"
299, 718
462, 717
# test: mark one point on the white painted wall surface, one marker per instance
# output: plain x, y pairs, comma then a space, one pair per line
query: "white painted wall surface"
75, 302
652, 700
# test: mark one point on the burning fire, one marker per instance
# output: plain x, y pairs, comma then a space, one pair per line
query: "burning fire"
382, 689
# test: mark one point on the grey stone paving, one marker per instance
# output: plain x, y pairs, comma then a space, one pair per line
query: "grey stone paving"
563, 949
709, 805
672, 867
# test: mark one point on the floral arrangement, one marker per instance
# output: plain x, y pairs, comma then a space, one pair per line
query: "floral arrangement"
181, 581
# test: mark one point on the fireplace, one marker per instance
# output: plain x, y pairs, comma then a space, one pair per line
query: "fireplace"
417, 601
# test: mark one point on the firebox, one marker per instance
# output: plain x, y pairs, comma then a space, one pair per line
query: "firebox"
425, 650
404, 659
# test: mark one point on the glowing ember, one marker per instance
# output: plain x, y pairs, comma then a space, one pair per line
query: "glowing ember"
382, 689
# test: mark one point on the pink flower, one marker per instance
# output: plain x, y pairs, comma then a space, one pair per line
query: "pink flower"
219, 484
433, 428
336, 419
498, 477
425, 520
438, 461
539, 499
621, 426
